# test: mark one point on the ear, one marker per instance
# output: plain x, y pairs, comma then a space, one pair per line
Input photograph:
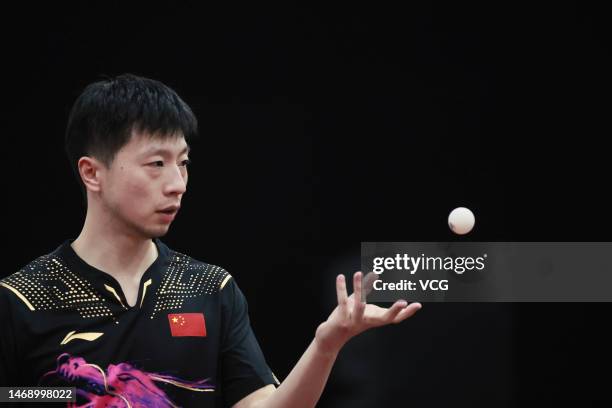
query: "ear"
90, 171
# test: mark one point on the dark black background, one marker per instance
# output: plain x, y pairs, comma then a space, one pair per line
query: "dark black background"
324, 127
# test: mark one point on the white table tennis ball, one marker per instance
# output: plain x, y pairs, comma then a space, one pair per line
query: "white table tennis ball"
461, 220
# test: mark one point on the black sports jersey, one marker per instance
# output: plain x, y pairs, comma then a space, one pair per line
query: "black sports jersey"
187, 341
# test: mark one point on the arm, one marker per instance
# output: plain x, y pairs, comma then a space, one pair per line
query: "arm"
304, 384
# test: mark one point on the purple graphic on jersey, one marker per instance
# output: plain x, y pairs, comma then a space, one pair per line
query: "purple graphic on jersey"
120, 386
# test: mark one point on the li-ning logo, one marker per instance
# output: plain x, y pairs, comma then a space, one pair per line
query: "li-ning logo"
73, 335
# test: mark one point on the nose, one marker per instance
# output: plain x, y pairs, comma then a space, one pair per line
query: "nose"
177, 181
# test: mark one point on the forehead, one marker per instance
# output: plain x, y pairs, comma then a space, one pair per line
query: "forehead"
143, 143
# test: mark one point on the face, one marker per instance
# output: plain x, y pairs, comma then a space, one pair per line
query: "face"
143, 187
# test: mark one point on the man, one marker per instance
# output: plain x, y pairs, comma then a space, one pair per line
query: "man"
128, 321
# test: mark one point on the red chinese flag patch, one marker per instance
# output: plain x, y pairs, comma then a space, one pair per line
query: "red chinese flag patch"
187, 324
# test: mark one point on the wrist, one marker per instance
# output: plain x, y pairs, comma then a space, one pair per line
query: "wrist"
326, 343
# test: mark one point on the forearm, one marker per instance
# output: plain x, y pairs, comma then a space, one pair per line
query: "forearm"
304, 385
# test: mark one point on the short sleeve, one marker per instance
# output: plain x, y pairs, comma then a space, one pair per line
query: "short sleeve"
8, 352
243, 366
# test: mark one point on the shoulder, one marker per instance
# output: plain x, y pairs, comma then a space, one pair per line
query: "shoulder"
33, 283
184, 272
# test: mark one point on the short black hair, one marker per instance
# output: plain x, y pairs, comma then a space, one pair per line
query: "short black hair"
103, 117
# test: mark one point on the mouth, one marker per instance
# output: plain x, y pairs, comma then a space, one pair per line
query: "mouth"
173, 209
169, 213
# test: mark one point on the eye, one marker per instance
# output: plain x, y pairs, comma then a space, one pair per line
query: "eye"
186, 162
157, 163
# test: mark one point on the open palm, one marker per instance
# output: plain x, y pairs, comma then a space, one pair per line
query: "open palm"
353, 316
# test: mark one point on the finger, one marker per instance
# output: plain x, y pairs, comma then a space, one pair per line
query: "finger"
368, 284
408, 311
341, 292
358, 304
393, 311
357, 283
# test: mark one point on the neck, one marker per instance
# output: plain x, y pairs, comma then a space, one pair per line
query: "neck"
117, 251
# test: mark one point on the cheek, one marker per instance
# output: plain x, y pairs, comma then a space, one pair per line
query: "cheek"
138, 198
134, 194
137, 191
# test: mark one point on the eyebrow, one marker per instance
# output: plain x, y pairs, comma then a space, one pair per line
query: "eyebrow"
164, 152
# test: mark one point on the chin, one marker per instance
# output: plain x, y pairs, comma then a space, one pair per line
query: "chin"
160, 234
156, 232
